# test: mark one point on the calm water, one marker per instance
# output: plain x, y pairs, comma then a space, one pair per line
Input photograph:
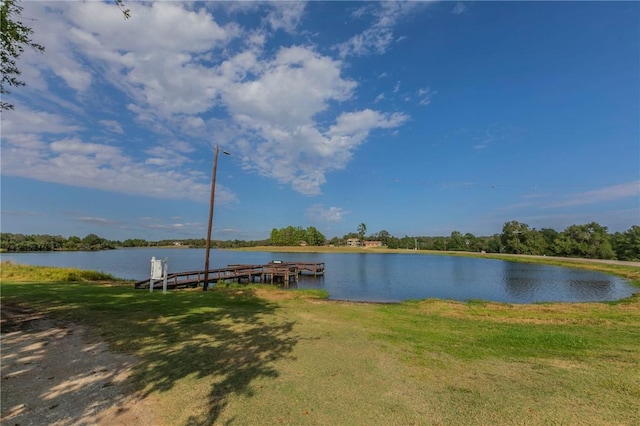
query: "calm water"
374, 276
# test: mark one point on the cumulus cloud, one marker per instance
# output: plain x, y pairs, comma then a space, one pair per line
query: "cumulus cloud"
142, 60
281, 108
72, 161
277, 108
285, 15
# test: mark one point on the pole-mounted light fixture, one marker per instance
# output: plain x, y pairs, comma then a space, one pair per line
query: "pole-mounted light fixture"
211, 202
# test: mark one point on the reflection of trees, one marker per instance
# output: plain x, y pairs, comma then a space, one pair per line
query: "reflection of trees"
530, 283
520, 281
363, 266
595, 290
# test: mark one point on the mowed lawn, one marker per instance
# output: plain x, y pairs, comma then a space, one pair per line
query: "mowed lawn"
251, 355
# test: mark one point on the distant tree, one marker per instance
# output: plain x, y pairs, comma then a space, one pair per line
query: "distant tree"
439, 244
472, 242
590, 240
518, 238
549, 236
293, 236
494, 244
626, 245
362, 231
135, 242
20, 242
314, 237
456, 241
336, 241
394, 242
274, 238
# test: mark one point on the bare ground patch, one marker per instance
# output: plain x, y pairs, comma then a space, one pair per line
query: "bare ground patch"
56, 373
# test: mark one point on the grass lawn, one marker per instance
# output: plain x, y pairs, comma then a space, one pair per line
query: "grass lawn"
258, 355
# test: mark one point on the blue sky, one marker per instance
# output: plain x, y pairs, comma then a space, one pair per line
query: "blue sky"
419, 118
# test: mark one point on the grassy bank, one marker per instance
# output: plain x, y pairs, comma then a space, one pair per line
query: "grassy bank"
257, 355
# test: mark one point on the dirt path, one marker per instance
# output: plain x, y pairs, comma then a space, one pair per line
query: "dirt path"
54, 373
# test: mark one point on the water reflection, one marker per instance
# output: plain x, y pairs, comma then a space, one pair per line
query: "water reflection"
521, 282
592, 289
538, 283
375, 276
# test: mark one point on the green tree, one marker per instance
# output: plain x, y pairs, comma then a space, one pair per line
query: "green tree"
626, 244
362, 231
549, 236
15, 37
439, 244
290, 236
590, 240
314, 237
472, 242
518, 238
274, 238
456, 241
494, 244
382, 236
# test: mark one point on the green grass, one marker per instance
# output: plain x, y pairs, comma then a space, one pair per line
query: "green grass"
256, 355
39, 273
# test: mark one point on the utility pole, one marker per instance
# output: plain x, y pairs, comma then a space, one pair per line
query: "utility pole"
211, 202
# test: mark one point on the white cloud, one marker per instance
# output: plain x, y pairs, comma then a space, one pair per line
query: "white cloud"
25, 120
98, 221
610, 193
71, 161
459, 8
276, 112
206, 76
330, 214
285, 15
138, 56
425, 95
290, 90
380, 35
112, 126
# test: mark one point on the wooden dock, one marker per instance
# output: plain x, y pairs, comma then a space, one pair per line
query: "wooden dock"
276, 272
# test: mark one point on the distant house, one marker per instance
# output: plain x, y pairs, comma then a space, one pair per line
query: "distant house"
373, 243
354, 242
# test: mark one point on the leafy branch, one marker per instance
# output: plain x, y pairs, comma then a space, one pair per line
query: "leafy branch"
125, 11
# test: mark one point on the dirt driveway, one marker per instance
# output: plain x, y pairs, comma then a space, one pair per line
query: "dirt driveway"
56, 374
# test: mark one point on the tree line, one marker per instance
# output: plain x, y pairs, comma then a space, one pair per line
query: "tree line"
589, 240
20, 242
26, 243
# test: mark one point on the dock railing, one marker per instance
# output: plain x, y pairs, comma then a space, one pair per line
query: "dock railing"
273, 272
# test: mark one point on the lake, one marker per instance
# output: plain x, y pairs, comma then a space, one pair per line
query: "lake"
373, 277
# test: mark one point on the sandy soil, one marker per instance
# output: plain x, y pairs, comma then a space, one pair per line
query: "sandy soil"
56, 374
